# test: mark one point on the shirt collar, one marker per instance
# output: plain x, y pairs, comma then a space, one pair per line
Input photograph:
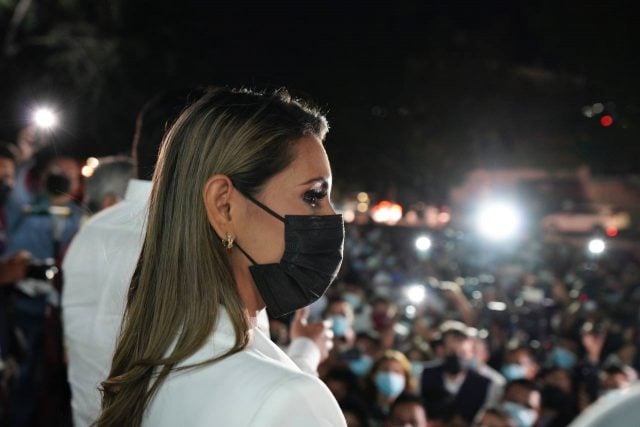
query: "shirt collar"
138, 191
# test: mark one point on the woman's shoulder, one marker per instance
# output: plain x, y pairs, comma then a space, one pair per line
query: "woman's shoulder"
244, 389
299, 400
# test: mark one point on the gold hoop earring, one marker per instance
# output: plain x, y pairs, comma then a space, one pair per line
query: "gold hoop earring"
228, 241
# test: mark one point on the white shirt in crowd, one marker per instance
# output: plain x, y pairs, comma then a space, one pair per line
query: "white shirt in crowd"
97, 271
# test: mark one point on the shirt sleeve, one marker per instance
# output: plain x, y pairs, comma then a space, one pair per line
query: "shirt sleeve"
305, 354
302, 401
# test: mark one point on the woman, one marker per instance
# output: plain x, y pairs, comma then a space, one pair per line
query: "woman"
239, 220
388, 379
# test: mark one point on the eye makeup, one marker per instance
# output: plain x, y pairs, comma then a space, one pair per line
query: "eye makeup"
314, 195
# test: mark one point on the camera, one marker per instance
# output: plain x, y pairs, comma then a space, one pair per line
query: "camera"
42, 269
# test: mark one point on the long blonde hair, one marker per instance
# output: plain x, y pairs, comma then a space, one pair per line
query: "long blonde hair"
183, 274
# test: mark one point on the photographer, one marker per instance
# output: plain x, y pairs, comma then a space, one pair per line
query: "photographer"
14, 267
44, 228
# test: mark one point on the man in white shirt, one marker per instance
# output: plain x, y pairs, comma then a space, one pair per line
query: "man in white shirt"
98, 268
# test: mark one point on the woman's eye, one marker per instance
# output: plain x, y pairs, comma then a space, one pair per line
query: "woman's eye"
312, 197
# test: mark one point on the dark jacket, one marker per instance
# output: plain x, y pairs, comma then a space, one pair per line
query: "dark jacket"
443, 405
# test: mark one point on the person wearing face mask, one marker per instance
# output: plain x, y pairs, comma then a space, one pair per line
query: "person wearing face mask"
562, 357
360, 358
340, 314
389, 377
522, 402
102, 258
239, 221
519, 363
448, 385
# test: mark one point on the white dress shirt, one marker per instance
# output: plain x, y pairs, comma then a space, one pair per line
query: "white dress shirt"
97, 271
259, 386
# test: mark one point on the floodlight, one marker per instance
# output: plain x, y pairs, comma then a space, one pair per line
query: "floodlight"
499, 221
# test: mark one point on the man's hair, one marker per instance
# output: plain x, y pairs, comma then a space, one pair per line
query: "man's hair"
522, 382
110, 178
614, 368
154, 119
406, 398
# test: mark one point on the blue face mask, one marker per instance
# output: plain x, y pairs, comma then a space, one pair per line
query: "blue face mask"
361, 366
513, 371
525, 417
353, 300
339, 325
472, 363
390, 384
563, 358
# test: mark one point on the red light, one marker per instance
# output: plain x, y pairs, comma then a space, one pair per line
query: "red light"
612, 232
606, 120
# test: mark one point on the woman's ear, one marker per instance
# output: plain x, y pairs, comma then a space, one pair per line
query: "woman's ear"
217, 195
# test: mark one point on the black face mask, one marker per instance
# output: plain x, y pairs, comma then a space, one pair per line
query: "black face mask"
5, 190
452, 364
57, 183
310, 263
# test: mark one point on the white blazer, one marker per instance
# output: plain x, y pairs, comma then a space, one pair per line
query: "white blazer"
259, 386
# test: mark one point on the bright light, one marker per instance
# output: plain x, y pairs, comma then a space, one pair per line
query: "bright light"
93, 162
498, 221
349, 215
387, 212
87, 171
606, 120
423, 243
597, 246
410, 311
363, 197
612, 232
597, 108
416, 293
496, 306
444, 217
363, 207
45, 118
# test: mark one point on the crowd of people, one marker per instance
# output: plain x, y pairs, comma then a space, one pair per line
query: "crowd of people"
462, 334
532, 334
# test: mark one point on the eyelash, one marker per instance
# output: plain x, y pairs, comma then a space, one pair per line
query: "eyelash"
312, 197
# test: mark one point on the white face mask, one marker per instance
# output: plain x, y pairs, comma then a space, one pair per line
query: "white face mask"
525, 417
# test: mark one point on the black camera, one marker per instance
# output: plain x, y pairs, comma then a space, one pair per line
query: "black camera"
42, 269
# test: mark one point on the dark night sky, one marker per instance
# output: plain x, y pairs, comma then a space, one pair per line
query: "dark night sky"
417, 92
